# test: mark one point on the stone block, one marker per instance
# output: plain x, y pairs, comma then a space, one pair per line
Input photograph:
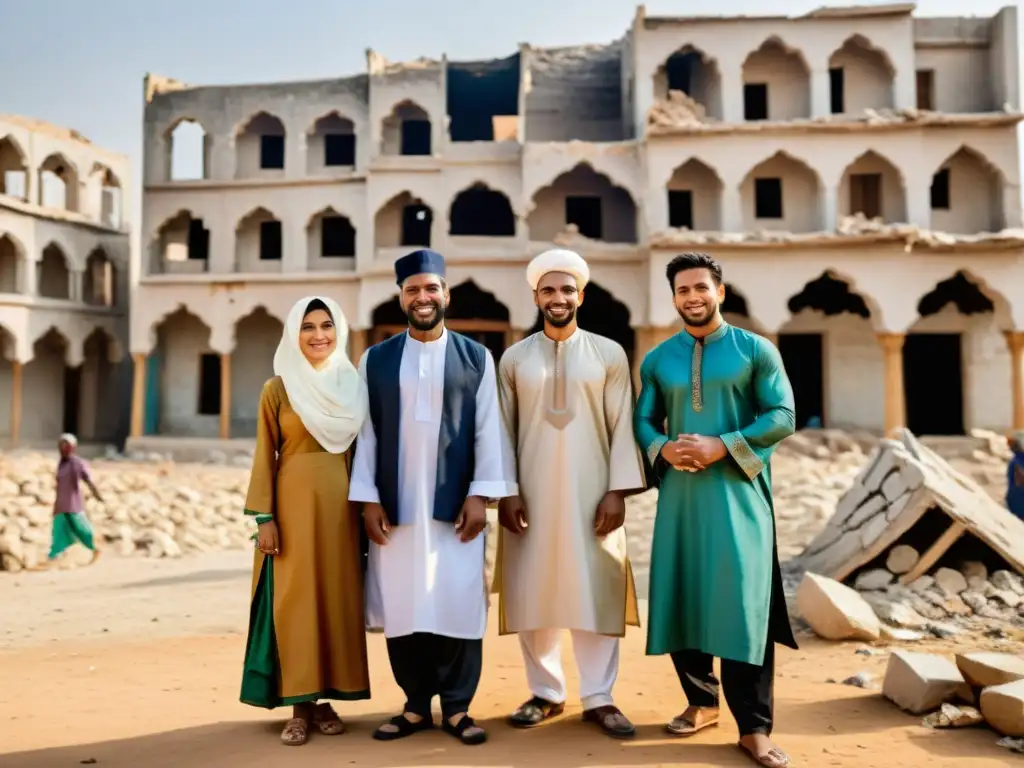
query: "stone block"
984, 669
902, 558
878, 578
834, 611
1003, 708
920, 682
952, 582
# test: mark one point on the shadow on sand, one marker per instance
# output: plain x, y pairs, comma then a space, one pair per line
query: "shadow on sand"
566, 742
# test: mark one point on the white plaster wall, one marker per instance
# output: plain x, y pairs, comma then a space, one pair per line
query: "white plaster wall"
867, 80
729, 43
916, 154
975, 197
962, 81
787, 78
894, 202
183, 339
43, 395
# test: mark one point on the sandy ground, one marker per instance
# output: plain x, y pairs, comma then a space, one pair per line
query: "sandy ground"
136, 663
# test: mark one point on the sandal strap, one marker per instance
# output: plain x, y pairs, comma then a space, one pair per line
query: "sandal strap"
464, 725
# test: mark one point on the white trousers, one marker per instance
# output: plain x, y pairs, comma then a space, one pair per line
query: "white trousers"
597, 659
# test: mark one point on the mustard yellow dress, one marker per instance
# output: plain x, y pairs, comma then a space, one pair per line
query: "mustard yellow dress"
307, 635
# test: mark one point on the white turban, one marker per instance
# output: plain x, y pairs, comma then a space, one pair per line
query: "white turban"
558, 260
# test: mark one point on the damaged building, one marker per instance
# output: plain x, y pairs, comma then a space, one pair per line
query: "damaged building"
64, 285
854, 169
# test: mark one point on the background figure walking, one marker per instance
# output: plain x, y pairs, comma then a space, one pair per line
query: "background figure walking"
69, 521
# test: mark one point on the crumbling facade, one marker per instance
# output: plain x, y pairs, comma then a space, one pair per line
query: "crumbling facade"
854, 169
64, 285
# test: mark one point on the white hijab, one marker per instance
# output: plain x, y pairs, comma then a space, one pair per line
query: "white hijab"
332, 401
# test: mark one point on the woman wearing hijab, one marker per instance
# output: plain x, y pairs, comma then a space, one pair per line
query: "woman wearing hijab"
307, 641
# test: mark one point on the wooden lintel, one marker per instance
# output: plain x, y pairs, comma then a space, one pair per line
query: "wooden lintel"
934, 552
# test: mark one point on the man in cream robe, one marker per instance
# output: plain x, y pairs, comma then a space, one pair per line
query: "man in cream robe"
567, 405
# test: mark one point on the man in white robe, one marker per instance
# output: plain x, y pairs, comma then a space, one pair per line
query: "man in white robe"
567, 407
427, 461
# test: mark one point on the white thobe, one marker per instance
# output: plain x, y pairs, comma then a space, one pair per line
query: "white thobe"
425, 579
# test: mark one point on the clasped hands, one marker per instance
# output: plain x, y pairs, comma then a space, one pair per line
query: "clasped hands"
691, 453
610, 514
471, 521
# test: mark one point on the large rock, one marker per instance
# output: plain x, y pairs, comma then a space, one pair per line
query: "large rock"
834, 611
901, 559
920, 682
1003, 708
984, 669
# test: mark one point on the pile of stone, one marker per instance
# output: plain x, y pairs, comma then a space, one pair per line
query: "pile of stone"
986, 687
156, 510
901, 483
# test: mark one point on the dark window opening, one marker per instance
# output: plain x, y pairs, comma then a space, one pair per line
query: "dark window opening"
940, 190
866, 194
337, 237
72, 398
767, 198
482, 211
339, 149
803, 356
755, 101
933, 383
271, 153
679, 71
209, 384
198, 240
477, 93
837, 90
926, 89
270, 241
416, 222
680, 208
585, 213
415, 137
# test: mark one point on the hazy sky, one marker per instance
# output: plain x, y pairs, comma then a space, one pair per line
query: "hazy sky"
81, 64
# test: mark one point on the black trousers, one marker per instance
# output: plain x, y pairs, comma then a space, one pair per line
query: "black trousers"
427, 665
749, 688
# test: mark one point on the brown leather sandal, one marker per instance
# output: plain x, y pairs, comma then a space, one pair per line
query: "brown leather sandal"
327, 720
682, 725
295, 733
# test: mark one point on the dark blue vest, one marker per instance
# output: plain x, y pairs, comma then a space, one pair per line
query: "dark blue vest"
464, 366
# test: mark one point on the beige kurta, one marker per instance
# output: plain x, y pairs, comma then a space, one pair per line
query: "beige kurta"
567, 411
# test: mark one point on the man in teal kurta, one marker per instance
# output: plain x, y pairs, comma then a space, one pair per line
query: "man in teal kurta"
715, 585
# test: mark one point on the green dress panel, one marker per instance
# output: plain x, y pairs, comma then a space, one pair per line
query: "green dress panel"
713, 561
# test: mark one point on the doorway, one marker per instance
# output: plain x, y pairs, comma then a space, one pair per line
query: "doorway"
933, 383
72, 398
803, 355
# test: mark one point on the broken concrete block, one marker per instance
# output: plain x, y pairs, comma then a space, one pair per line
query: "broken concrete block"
903, 635
834, 611
920, 682
985, 669
950, 716
894, 611
879, 578
922, 584
1003, 708
901, 559
1009, 581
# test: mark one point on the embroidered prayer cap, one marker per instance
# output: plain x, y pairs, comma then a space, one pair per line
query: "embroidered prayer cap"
421, 262
68, 438
558, 260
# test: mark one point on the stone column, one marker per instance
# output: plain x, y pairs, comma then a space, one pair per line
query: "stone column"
1015, 340
357, 344
821, 92
17, 369
138, 393
895, 397
225, 397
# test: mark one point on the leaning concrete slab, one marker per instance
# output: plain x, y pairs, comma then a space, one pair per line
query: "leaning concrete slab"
901, 481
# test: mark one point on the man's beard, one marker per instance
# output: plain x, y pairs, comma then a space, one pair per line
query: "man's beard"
560, 322
711, 310
428, 323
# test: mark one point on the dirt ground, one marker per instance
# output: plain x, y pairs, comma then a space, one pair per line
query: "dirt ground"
136, 662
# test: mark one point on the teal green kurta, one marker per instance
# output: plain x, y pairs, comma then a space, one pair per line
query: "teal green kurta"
713, 552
